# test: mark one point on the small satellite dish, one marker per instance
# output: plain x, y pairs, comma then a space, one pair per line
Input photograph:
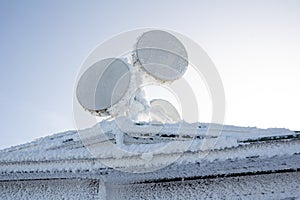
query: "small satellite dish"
163, 111
162, 55
103, 84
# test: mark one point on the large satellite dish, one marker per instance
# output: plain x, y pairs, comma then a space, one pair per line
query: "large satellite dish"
162, 55
103, 84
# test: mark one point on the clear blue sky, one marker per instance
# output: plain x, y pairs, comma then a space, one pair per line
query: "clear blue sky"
254, 44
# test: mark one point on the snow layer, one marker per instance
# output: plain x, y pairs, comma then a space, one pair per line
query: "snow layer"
141, 138
240, 163
65, 152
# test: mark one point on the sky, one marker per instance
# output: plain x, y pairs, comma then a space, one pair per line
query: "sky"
255, 46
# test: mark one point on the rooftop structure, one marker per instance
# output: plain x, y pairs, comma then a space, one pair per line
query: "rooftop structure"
242, 163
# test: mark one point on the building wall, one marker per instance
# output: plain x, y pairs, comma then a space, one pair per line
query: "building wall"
272, 186
285, 186
49, 189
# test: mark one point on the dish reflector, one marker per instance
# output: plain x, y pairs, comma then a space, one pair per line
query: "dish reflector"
162, 55
103, 84
163, 111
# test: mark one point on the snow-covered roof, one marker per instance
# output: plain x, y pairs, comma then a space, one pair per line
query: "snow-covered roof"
236, 150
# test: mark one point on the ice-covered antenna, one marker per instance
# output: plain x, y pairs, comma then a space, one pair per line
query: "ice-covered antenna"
163, 111
162, 55
107, 87
103, 85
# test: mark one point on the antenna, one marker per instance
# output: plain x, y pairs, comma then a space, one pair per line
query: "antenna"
163, 111
107, 87
103, 85
162, 55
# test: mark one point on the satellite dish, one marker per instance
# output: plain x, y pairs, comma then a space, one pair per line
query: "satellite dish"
103, 84
162, 55
163, 111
